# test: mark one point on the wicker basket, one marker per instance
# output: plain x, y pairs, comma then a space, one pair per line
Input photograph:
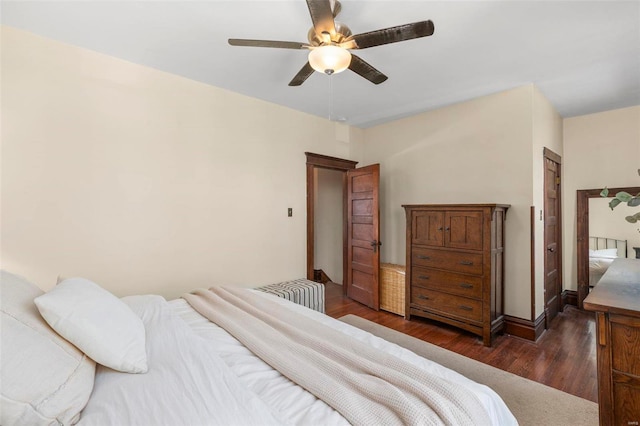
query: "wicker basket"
392, 288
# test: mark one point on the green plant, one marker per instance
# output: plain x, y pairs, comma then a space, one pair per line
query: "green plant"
628, 199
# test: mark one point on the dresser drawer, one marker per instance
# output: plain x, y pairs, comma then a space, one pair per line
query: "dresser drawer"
446, 304
625, 344
467, 263
450, 282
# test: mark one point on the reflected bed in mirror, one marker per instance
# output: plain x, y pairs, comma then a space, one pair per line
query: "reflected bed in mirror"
602, 252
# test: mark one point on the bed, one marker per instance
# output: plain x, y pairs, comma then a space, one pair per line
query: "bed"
602, 252
188, 370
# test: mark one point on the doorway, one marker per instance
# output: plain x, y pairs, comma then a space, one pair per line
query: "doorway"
328, 217
360, 225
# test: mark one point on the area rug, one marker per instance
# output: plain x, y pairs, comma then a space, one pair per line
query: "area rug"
530, 402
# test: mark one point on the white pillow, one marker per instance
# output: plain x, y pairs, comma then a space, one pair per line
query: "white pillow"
97, 322
45, 379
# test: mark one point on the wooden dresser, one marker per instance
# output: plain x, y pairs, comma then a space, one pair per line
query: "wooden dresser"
616, 301
455, 265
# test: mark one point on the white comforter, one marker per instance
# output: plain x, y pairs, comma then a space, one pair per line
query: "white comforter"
187, 382
199, 374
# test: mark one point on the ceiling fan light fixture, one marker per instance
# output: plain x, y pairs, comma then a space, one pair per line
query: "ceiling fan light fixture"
329, 59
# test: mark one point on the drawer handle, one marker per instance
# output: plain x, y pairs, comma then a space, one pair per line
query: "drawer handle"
465, 285
466, 262
423, 277
423, 297
422, 256
466, 308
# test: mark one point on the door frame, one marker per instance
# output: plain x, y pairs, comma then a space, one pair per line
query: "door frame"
332, 163
582, 235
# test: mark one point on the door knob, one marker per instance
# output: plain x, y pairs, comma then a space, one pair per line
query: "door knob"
551, 249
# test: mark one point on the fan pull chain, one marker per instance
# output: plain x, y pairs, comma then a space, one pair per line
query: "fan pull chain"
330, 97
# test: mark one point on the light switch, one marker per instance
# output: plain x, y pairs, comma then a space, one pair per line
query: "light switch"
289, 212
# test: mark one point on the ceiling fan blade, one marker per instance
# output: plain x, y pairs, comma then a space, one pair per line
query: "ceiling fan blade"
365, 70
302, 75
322, 16
268, 43
391, 35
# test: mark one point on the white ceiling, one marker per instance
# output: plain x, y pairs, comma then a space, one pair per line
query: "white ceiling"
583, 55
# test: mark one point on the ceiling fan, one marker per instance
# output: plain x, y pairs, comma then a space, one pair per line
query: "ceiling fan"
330, 42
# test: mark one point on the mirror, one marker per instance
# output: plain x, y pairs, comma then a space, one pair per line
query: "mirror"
610, 226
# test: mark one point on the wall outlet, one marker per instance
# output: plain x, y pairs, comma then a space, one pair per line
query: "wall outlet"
289, 212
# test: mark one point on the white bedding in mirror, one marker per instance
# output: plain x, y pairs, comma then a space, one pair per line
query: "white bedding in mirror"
599, 262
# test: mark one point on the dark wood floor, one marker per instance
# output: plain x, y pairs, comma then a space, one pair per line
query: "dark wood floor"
564, 357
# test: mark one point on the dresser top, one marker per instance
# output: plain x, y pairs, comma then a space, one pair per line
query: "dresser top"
448, 206
618, 291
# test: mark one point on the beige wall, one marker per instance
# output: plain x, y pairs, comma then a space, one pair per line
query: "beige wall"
474, 152
604, 222
547, 133
147, 182
329, 217
599, 150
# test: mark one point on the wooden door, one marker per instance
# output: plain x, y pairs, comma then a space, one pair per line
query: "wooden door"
363, 235
463, 230
552, 268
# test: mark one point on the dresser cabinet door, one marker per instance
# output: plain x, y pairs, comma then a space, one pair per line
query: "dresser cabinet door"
463, 230
428, 228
